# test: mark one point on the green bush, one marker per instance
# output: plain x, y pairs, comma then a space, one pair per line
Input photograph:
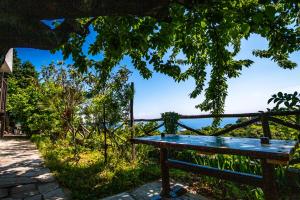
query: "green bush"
88, 177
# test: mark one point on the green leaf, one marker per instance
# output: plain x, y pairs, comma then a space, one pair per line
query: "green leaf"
270, 12
203, 24
287, 104
270, 100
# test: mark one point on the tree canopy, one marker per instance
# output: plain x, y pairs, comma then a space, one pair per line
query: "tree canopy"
23, 94
164, 35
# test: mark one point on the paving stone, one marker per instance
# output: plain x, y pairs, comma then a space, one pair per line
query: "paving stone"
45, 188
18, 170
21, 188
36, 197
56, 194
36, 172
190, 196
3, 192
45, 178
6, 174
13, 181
7, 182
23, 174
25, 180
22, 191
151, 191
121, 196
147, 191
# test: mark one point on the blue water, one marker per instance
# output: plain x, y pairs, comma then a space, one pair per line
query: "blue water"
200, 123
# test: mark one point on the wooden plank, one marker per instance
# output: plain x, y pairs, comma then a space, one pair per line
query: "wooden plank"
236, 126
284, 123
239, 177
219, 116
190, 129
149, 120
164, 173
252, 147
277, 162
153, 129
266, 126
269, 181
281, 113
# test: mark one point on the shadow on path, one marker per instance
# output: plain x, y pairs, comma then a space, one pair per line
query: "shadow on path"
23, 174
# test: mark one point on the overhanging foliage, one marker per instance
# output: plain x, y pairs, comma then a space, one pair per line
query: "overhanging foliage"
165, 34
197, 37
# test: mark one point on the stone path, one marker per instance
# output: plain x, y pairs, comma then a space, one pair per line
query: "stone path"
23, 175
151, 191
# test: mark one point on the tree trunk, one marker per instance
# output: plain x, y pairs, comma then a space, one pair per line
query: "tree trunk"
105, 136
133, 156
298, 122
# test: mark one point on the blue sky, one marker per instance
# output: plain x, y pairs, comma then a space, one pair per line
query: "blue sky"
248, 93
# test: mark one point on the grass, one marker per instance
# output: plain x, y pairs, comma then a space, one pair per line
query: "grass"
90, 178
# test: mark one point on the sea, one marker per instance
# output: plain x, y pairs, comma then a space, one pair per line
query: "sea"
201, 123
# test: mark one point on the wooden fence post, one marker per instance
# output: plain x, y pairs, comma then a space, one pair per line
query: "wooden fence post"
268, 170
133, 156
165, 177
269, 181
266, 126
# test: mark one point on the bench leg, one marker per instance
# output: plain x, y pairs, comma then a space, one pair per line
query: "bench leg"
164, 173
269, 181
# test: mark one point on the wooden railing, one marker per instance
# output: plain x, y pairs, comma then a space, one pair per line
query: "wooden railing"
263, 117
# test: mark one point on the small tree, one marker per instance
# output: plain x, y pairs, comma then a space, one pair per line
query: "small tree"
109, 104
285, 101
64, 96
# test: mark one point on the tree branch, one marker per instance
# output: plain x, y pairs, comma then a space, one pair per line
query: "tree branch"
35, 34
58, 9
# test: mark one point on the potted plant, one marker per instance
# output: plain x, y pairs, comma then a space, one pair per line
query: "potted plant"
170, 120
